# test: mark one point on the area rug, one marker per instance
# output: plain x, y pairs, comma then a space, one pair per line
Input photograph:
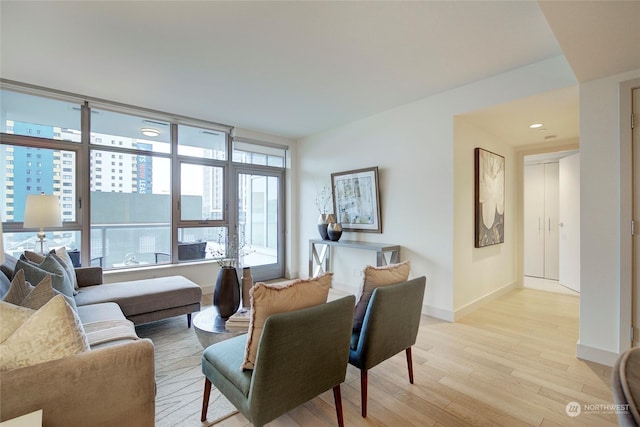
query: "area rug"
179, 379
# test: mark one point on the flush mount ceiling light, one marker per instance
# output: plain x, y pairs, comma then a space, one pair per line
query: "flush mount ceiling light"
150, 132
535, 125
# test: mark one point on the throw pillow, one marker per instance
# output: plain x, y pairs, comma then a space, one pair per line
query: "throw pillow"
23, 294
52, 332
34, 273
271, 299
63, 259
62, 256
34, 256
18, 290
374, 277
11, 318
5, 283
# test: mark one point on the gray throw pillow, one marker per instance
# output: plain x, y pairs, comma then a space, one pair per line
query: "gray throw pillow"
49, 267
23, 294
4, 284
64, 260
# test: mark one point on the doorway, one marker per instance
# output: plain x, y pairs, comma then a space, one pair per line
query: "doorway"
551, 221
260, 213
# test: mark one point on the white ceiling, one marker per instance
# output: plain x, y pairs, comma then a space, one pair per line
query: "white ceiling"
295, 68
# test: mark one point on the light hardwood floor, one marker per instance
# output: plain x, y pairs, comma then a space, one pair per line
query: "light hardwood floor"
510, 363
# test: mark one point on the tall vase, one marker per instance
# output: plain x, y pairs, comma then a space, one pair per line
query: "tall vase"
226, 295
247, 283
322, 226
323, 222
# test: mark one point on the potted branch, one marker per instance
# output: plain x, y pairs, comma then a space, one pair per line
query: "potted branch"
226, 295
325, 218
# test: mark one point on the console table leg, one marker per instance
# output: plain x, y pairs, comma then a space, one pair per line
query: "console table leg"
318, 261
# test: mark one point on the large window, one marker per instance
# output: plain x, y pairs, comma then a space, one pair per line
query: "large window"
130, 207
159, 188
39, 117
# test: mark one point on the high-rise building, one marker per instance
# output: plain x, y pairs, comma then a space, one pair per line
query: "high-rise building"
37, 170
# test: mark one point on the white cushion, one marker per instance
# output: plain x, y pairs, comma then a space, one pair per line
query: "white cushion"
11, 318
52, 332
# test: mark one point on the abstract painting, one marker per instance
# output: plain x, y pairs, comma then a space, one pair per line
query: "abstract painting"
489, 198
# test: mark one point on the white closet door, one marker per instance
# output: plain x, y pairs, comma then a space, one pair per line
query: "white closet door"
551, 208
534, 220
569, 181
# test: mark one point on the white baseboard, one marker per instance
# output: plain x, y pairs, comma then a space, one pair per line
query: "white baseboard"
598, 355
438, 313
474, 305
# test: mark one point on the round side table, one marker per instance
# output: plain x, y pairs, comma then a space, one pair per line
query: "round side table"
210, 328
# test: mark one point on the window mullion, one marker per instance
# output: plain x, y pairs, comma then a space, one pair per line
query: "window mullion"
84, 191
175, 193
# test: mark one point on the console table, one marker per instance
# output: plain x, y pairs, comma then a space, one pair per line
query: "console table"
320, 253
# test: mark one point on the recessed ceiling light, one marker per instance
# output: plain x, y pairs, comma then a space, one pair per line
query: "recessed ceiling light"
535, 125
549, 137
150, 132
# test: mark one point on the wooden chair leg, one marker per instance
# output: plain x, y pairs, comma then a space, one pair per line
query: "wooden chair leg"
205, 399
188, 320
409, 364
363, 391
338, 400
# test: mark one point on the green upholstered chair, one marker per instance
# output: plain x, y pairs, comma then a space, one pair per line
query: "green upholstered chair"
390, 325
301, 354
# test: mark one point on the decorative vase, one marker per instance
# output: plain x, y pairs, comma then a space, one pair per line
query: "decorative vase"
226, 295
334, 231
323, 221
247, 283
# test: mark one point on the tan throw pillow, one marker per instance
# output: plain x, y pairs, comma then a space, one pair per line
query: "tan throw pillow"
374, 277
52, 332
11, 318
34, 256
271, 299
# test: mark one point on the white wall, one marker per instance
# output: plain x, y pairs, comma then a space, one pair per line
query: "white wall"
481, 273
409, 146
604, 315
413, 146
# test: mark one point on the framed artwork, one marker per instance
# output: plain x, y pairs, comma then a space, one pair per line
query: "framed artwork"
356, 200
489, 198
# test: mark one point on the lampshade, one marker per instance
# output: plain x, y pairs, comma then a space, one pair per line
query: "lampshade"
42, 211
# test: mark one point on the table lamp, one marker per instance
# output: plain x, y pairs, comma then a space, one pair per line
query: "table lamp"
42, 211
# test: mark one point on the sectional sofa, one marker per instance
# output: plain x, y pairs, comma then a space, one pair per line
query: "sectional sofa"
113, 383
